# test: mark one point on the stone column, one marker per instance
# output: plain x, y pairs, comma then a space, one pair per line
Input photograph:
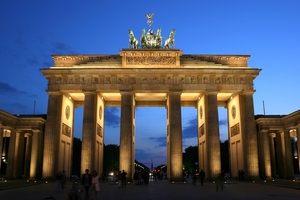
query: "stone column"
52, 135
126, 134
11, 155
34, 160
272, 155
20, 156
40, 153
288, 155
27, 155
88, 131
1, 142
298, 143
279, 153
264, 146
212, 135
175, 138
249, 135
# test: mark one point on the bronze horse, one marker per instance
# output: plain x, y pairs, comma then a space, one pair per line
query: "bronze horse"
170, 41
133, 42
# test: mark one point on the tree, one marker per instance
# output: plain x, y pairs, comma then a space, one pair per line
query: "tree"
76, 157
111, 157
190, 157
224, 156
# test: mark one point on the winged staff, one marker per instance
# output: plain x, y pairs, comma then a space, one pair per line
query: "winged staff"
149, 18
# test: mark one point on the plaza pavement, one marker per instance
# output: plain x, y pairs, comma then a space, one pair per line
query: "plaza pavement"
162, 189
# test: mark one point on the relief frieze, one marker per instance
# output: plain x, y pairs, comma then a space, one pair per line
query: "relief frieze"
218, 80
132, 80
145, 80
194, 80
155, 79
242, 80
71, 81
235, 130
95, 80
181, 80
58, 80
201, 130
107, 80
151, 60
99, 130
66, 130
121, 80
206, 80
229, 80
169, 80
83, 80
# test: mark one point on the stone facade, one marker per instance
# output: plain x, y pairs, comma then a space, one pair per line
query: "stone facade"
19, 133
162, 77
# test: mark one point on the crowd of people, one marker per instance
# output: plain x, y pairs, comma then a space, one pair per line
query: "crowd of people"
90, 182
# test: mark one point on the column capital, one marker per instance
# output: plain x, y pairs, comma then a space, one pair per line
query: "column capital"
89, 92
53, 92
263, 130
126, 92
247, 92
210, 93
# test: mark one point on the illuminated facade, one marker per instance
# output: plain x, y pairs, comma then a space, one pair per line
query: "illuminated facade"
21, 145
276, 155
162, 77
151, 77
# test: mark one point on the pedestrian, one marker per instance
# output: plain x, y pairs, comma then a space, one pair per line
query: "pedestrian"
86, 180
63, 179
136, 177
220, 181
95, 183
195, 177
57, 180
242, 175
124, 178
202, 176
119, 177
74, 193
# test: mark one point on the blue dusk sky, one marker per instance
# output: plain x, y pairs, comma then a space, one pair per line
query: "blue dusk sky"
33, 30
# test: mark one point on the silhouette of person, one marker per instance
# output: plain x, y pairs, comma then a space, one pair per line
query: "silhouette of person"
86, 180
95, 183
124, 178
202, 176
63, 179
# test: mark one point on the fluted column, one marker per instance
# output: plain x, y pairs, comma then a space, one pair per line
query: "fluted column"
34, 160
52, 135
27, 155
1, 143
298, 143
288, 155
11, 155
279, 153
249, 135
126, 134
175, 138
265, 161
212, 135
88, 131
272, 154
20, 156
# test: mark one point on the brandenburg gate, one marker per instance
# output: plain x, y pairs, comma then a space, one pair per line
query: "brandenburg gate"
151, 77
